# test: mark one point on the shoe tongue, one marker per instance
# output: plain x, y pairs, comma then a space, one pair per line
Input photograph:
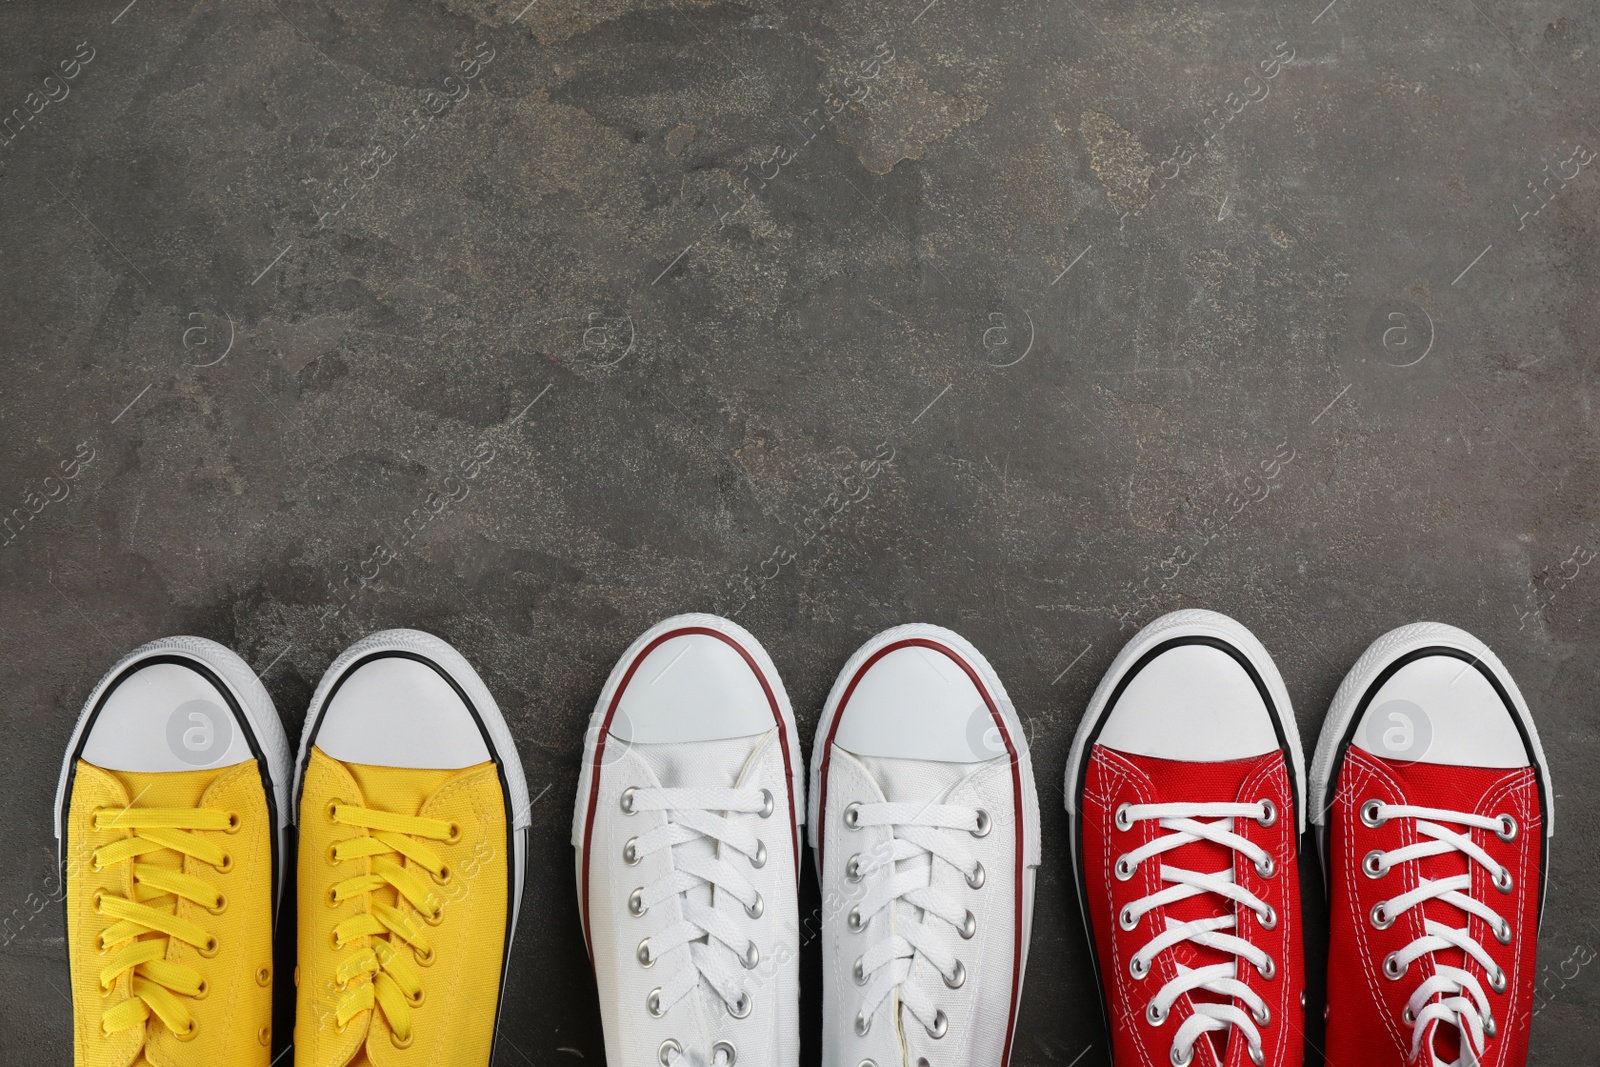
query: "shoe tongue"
719, 764
1445, 1040
402, 791
1184, 782
1432, 785
166, 789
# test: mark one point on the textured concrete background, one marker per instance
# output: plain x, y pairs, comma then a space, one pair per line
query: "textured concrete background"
1282, 309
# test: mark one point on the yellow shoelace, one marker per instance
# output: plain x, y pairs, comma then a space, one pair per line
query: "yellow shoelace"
157, 983
378, 972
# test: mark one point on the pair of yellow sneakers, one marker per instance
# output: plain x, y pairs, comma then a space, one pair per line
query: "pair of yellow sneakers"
176, 825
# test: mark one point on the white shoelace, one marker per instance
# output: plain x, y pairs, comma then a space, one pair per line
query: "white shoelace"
1462, 1002
720, 948
1183, 822
917, 956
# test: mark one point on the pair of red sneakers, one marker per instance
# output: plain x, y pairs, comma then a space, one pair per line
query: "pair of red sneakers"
1431, 800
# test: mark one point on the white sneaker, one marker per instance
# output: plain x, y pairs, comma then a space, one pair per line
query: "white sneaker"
687, 835
926, 829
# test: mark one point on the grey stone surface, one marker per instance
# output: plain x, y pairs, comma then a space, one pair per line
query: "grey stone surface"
1078, 271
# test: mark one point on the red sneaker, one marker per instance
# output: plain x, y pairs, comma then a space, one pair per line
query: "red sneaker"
1184, 787
1434, 802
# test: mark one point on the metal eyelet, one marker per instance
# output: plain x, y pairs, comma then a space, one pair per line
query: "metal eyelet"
627, 800
1371, 814
968, 927
858, 973
976, 877
1269, 921
1138, 966
755, 910
1268, 816
204, 990
1124, 869
424, 959
751, 957
1267, 867
1269, 972
767, 805
1392, 968
863, 1024
1502, 933
745, 1001
1502, 879
636, 904
1265, 1017
941, 1024
630, 852
235, 824
1155, 1014
1489, 1027
652, 1003
332, 899
958, 979
264, 1035
1127, 919
191, 1033
1257, 1057
855, 922
1123, 820
725, 1046
1497, 980
985, 824
643, 954
1508, 828
759, 860
333, 854
437, 917
1181, 1061
852, 817
1381, 919
852, 868
452, 833
210, 948
1372, 865
394, 1039
263, 976
222, 904
227, 863
668, 1049
1408, 1017
331, 806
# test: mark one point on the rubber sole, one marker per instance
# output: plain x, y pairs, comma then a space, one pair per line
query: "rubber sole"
690, 622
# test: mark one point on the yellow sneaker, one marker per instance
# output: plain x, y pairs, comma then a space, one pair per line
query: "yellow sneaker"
171, 820
413, 818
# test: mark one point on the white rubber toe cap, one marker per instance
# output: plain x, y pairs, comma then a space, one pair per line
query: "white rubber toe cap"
692, 687
166, 717
1193, 702
395, 711
918, 703
1439, 709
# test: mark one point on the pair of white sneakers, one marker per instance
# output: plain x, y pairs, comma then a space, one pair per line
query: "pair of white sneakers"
925, 825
